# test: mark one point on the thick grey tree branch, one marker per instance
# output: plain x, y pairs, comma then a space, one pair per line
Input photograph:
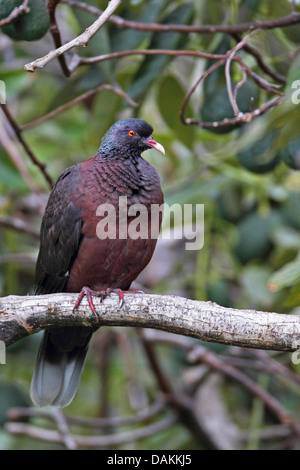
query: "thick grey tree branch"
23, 316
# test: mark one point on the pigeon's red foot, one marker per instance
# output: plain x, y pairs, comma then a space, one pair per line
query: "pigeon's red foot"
89, 293
103, 294
121, 293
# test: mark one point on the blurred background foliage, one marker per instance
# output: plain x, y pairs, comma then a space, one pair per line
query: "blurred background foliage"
247, 177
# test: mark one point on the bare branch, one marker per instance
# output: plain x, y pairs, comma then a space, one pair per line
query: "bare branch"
264, 67
56, 36
187, 97
197, 353
76, 100
13, 152
18, 258
261, 82
18, 413
23, 316
240, 119
80, 41
25, 146
171, 52
63, 429
209, 358
239, 85
283, 21
229, 59
177, 53
19, 225
179, 400
92, 441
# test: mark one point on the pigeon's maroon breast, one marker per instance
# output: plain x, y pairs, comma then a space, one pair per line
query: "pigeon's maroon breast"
106, 192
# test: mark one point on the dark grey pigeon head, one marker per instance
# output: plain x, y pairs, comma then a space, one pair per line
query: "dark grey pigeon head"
128, 137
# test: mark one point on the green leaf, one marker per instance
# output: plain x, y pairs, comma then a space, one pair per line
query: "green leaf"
170, 97
216, 105
16, 81
247, 10
260, 158
219, 292
106, 107
291, 154
9, 175
255, 235
99, 44
128, 39
287, 237
198, 190
152, 66
75, 86
10, 395
286, 276
290, 210
254, 280
293, 299
29, 25
293, 75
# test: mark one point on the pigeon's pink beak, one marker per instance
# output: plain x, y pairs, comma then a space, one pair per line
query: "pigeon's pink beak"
156, 145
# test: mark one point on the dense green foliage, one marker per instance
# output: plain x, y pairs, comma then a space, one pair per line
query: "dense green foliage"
247, 177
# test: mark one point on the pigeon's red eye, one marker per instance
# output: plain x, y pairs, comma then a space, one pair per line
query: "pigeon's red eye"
131, 133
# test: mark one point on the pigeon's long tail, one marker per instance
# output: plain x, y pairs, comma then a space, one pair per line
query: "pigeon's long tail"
59, 365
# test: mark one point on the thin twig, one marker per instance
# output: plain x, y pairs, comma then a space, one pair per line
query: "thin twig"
288, 20
201, 354
80, 41
196, 353
176, 53
93, 441
274, 367
19, 225
261, 82
26, 147
187, 97
228, 61
178, 400
76, 100
18, 413
63, 429
15, 156
270, 433
135, 389
240, 119
52, 4
264, 67
84, 38
243, 118
18, 258
239, 85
